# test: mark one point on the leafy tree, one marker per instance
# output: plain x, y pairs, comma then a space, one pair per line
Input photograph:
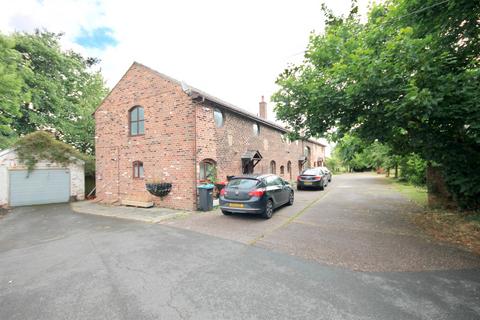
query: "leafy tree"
379, 155
12, 88
357, 155
349, 149
334, 163
408, 78
64, 90
413, 169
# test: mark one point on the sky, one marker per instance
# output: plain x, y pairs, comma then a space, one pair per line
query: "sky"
233, 50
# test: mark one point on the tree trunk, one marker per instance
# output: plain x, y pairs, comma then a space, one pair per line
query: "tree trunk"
438, 194
396, 171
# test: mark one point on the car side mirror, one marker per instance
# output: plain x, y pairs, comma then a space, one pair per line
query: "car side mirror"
286, 183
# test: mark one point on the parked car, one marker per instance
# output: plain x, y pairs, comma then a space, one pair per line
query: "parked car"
255, 194
328, 172
312, 178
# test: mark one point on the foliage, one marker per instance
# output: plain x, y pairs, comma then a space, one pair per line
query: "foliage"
408, 78
211, 173
413, 169
63, 89
349, 149
334, 163
89, 164
12, 88
358, 155
417, 194
41, 145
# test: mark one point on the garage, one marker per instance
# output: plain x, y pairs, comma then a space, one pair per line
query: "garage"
39, 186
47, 183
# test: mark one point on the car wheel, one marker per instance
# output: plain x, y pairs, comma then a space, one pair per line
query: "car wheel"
299, 188
267, 214
322, 187
290, 199
227, 213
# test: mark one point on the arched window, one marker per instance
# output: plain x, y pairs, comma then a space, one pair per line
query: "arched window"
138, 172
273, 167
218, 118
136, 121
307, 153
282, 170
289, 169
208, 170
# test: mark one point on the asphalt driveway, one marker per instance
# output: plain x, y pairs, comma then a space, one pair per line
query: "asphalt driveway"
359, 222
58, 264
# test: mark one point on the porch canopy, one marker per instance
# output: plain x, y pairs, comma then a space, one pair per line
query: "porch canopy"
302, 159
249, 160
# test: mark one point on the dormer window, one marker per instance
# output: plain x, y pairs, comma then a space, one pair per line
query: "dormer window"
137, 121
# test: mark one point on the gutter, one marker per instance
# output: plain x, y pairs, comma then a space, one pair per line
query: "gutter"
195, 94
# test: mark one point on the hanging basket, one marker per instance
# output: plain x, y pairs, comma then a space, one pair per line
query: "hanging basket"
159, 189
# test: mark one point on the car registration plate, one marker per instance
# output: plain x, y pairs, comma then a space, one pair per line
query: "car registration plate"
236, 205
307, 183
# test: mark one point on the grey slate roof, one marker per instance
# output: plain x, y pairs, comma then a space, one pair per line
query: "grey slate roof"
196, 93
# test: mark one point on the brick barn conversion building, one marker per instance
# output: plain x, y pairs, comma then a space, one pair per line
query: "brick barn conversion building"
154, 128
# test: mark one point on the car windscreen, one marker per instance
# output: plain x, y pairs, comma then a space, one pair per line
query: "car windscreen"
310, 172
243, 183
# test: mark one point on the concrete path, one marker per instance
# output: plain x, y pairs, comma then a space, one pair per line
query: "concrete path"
151, 215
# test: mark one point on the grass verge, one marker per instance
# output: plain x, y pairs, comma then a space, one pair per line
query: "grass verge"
459, 228
414, 193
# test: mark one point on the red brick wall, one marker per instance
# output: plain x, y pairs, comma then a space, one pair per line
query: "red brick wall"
166, 149
179, 133
226, 145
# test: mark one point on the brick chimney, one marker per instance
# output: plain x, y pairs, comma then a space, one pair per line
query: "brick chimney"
263, 109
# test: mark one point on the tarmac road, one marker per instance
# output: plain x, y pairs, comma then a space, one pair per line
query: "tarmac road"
359, 222
346, 253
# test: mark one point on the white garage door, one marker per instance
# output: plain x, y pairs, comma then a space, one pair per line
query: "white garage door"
39, 186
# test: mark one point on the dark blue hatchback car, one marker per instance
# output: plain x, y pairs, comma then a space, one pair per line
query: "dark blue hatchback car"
255, 194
